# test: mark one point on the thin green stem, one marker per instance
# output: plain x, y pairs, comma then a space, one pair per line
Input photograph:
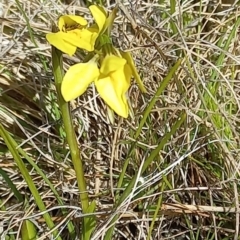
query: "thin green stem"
68, 125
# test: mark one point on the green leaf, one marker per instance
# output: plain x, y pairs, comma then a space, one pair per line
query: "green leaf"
12, 146
89, 222
11, 185
28, 230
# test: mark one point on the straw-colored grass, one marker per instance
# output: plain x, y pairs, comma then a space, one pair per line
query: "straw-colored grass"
181, 147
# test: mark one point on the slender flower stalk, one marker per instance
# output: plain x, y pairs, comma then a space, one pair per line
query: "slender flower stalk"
69, 129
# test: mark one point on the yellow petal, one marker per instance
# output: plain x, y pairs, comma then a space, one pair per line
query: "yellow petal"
99, 15
88, 36
113, 88
71, 21
83, 39
108, 93
77, 79
128, 74
130, 62
121, 79
57, 41
111, 63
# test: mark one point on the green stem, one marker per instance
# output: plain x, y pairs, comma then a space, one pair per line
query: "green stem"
68, 125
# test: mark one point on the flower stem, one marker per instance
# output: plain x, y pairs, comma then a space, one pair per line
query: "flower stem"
68, 125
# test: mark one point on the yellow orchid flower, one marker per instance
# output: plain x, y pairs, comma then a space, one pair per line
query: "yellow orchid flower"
74, 33
77, 79
113, 83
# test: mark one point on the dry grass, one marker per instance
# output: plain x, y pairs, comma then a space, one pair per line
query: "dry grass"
191, 189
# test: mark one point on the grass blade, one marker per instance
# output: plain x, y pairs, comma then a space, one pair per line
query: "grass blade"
12, 145
11, 185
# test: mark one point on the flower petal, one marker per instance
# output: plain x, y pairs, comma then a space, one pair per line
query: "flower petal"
88, 37
108, 93
130, 62
68, 42
111, 63
77, 79
57, 41
121, 79
113, 88
99, 16
69, 21
83, 39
